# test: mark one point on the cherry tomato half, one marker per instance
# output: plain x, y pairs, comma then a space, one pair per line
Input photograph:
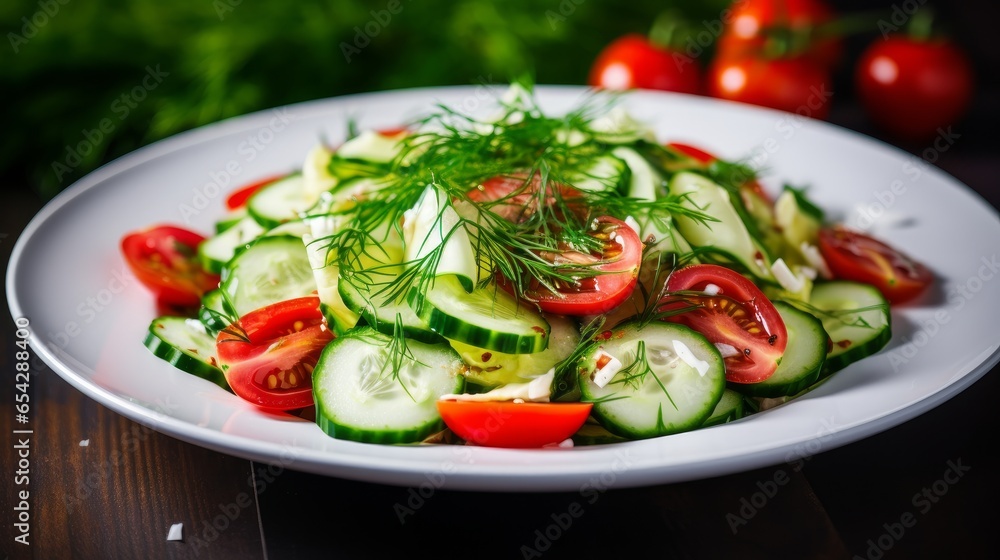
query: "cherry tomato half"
515, 198
911, 88
269, 354
238, 198
797, 85
633, 62
856, 256
615, 268
730, 310
513, 425
165, 259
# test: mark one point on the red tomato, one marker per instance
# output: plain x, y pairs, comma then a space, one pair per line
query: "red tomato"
165, 259
911, 88
704, 157
696, 153
856, 256
633, 62
269, 354
738, 314
797, 85
513, 425
616, 270
514, 198
750, 21
238, 198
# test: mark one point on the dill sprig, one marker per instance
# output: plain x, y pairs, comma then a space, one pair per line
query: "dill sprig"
538, 233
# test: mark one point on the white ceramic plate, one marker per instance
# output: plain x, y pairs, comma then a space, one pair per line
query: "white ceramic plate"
88, 314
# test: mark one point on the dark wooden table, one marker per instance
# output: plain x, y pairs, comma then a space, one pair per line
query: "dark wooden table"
118, 496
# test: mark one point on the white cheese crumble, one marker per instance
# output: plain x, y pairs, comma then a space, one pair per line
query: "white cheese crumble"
538, 389
632, 223
786, 277
712, 290
84, 442
812, 254
604, 375
685, 353
176, 532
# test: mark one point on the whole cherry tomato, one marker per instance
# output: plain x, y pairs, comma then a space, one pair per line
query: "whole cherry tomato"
798, 85
633, 61
911, 87
752, 21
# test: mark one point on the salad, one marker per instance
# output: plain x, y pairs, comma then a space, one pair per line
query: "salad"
523, 280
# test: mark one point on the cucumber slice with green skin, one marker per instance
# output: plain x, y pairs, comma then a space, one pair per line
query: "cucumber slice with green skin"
857, 318
730, 408
670, 381
216, 251
729, 233
488, 318
608, 173
270, 270
595, 434
359, 398
212, 312
802, 361
230, 220
381, 314
186, 345
280, 201
491, 369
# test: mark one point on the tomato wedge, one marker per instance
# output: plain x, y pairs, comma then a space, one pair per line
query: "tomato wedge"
269, 354
691, 151
238, 198
165, 259
615, 268
513, 425
856, 256
515, 198
729, 310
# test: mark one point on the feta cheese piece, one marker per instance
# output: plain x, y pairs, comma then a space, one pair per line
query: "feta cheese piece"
786, 277
612, 366
812, 254
685, 354
538, 389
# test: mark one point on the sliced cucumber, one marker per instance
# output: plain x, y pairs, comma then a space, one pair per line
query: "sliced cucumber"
212, 313
359, 397
186, 345
491, 368
215, 252
608, 173
803, 358
280, 201
857, 318
368, 301
595, 434
730, 408
270, 270
230, 220
729, 234
671, 379
488, 318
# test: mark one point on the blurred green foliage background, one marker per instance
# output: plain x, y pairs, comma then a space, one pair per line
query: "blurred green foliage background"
67, 63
